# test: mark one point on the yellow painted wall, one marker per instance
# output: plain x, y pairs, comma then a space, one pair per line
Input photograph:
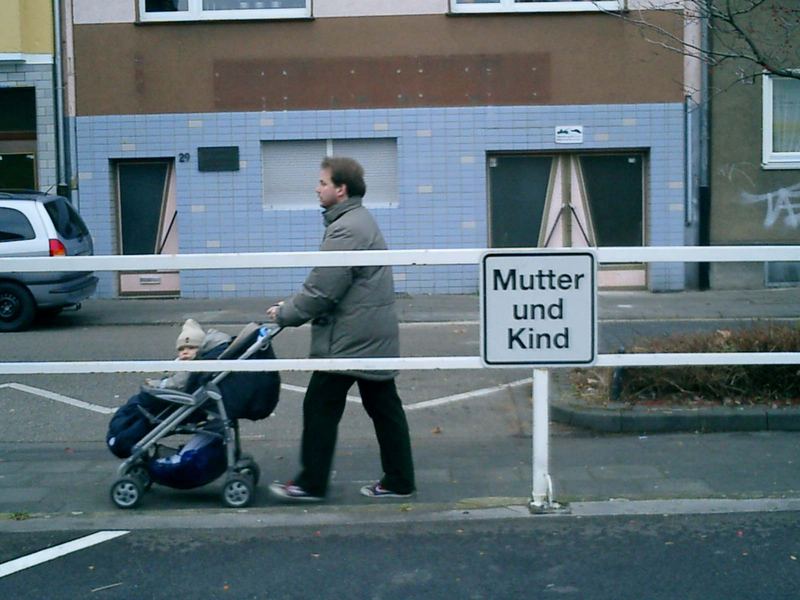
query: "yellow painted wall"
26, 26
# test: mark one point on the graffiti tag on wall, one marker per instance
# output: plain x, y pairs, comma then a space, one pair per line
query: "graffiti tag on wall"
782, 204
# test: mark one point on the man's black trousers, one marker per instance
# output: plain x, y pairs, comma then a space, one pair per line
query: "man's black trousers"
323, 407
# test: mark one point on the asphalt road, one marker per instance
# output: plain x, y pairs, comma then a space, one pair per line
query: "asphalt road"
703, 557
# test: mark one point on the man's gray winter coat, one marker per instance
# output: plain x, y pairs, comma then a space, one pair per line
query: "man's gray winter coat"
351, 309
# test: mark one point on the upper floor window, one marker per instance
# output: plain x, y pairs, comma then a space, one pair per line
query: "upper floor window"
781, 125
205, 10
495, 6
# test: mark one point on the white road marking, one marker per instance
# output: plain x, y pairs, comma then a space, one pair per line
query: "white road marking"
106, 587
301, 390
415, 324
468, 395
435, 401
37, 558
59, 398
286, 386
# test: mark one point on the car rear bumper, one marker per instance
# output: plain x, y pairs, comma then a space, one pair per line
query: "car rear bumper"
64, 293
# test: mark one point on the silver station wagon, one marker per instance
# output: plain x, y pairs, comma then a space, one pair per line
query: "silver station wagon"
38, 224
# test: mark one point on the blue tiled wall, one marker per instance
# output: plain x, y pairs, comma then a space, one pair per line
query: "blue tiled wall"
441, 174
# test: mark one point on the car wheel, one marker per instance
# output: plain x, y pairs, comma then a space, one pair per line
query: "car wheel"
17, 307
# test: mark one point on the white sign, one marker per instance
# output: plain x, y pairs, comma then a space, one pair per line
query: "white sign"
569, 134
538, 308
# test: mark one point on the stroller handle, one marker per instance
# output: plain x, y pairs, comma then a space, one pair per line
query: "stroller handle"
265, 332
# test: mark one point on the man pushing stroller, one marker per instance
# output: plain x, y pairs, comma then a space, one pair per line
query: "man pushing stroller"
352, 314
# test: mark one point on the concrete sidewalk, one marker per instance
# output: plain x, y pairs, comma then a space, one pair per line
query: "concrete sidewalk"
782, 303
57, 487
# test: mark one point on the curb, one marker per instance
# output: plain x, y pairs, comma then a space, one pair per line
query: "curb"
566, 409
498, 509
278, 516
707, 420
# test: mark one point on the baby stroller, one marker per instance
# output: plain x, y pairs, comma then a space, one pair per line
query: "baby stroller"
210, 413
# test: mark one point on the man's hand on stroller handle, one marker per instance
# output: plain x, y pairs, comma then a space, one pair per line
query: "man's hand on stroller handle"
272, 312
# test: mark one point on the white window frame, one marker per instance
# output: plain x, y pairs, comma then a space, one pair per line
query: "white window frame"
196, 12
509, 6
771, 159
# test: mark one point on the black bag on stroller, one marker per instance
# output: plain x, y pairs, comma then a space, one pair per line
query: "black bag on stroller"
131, 422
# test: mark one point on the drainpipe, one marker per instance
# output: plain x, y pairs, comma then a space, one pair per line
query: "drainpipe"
704, 199
58, 102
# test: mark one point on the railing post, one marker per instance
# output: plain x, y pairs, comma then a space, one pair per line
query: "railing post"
542, 493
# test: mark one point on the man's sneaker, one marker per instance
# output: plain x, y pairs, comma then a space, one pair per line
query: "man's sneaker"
289, 492
376, 490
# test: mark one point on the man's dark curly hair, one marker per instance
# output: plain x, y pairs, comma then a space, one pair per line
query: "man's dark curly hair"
346, 171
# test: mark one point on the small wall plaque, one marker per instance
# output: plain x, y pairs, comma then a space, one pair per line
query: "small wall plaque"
218, 158
569, 134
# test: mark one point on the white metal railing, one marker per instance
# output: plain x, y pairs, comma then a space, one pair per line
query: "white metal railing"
541, 496
460, 256
264, 260
409, 363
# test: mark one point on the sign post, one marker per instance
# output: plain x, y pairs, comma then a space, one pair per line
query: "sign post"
538, 309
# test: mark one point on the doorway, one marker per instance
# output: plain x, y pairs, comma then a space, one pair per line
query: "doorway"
571, 201
147, 223
18, 138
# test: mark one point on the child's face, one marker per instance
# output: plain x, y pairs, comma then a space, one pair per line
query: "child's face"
187, 352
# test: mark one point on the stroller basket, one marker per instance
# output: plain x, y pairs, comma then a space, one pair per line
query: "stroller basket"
210, 412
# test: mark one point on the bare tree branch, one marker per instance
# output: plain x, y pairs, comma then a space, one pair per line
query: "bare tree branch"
763, 35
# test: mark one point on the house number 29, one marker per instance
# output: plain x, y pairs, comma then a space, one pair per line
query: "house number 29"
184, 157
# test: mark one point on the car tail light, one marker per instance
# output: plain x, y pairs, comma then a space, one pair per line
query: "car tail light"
57, 248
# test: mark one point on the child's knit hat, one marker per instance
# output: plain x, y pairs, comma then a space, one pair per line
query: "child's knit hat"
191, 335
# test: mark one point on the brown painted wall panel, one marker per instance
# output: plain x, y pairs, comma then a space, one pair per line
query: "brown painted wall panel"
406, 81
372, 62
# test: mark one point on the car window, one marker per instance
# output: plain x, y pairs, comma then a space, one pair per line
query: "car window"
67, 221
14, 226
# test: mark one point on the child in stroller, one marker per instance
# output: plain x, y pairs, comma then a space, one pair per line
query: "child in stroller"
205, 405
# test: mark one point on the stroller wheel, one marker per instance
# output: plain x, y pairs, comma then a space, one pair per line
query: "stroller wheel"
127, 492
141, 473
247, 466
238, 491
